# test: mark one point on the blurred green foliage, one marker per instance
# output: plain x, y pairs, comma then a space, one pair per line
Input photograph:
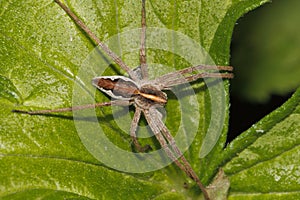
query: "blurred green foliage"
265, 51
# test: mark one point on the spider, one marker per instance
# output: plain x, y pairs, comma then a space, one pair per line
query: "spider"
144, 94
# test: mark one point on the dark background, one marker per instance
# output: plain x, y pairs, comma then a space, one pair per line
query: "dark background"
265, 53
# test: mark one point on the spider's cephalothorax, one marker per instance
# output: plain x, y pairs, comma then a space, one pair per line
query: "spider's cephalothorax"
150, 96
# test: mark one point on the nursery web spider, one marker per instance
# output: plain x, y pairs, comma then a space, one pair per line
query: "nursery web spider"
144, 94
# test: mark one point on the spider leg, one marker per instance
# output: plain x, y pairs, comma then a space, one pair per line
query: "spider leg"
81, 107
158, 127
185, 75
133, 128
194, 77
105, 48
205, 67
143, 57
162, 140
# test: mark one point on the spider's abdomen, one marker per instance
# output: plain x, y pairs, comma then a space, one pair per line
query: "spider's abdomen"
123, 88
118, 87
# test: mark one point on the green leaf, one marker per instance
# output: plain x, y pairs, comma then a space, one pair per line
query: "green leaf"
9, 91
264, 161
68, 178
41, 55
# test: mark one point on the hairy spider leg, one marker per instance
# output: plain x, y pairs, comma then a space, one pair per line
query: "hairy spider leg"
143, 55
182, 76
105, 48
164, 137
133, 130
81, 107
